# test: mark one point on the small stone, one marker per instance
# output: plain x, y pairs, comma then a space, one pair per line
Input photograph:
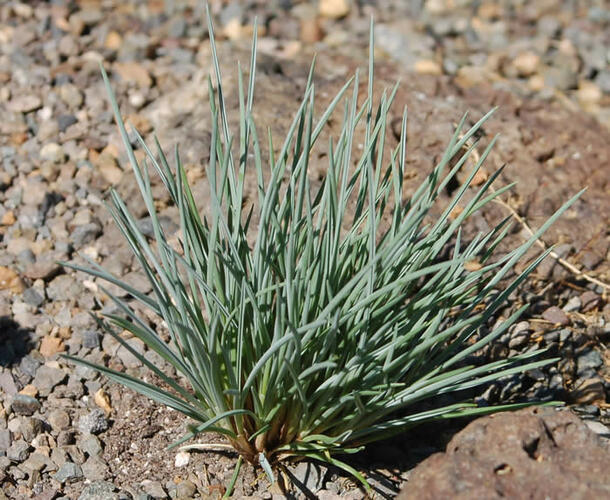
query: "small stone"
99, 490
5, 439
153, 488
177, 27
128, 359
182, 459
47, 377
590, 360
572, 305
29, 365
590, 300
603, 80
7, 383
589, 391
588, 93
52, 152
311, 32
107, 166
64, 121
90, 444
68, 46
29, 390
132, 72
58, 419
8, 218
562, 78
10, 280
91, 339
85, 234
428, 67
234, 30
49, 346
36, 462
526, 64
590, 260
71, 95
93, 423
25, 103
556, 316
333, 9
18, 451
185, 489
32, 297
103, 401
599, 428
68, 472
45, 268
65, 438
95, 469
30, 427
310, 474
470, 76
24, 405
145, 226
113, 41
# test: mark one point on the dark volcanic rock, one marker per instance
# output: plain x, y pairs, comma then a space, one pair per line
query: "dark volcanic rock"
534, 453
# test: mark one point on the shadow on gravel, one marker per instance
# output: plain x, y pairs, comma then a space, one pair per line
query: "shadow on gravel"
15, 342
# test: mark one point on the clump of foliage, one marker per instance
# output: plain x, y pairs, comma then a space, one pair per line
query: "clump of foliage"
311, 335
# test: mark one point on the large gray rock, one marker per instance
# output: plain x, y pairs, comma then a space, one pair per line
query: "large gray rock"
535, 453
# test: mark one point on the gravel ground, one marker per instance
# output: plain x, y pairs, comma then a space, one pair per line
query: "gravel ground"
66, 432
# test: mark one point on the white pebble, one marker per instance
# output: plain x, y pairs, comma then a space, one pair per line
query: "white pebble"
182, 459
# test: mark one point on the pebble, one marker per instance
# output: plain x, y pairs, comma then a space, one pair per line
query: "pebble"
32, 297
7, 383
572, 305
182, 459
52, 152
333, 9
94, 422
5, 440
30, 427
153, 488
428, 67
589, 390
99, 490
95, 469
598, 428
58, 419
25, 103
10, 280
590, 300
18, 451
64, 121
556, 316
24, 405
68, 472
588, 361
310, 474
589, 93
91, 339
90, 444
47, 377
133, 73
185, 489
526, 64
85, 234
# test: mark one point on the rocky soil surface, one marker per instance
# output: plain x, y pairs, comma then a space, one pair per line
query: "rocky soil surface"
66, 432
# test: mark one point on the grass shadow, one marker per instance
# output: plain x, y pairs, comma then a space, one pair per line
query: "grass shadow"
15, 342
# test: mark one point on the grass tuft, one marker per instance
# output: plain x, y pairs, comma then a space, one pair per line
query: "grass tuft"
331, 323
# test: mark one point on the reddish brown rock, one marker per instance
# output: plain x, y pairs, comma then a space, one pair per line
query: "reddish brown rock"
535, 453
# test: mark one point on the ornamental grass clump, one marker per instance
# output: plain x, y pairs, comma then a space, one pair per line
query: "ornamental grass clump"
329, 323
